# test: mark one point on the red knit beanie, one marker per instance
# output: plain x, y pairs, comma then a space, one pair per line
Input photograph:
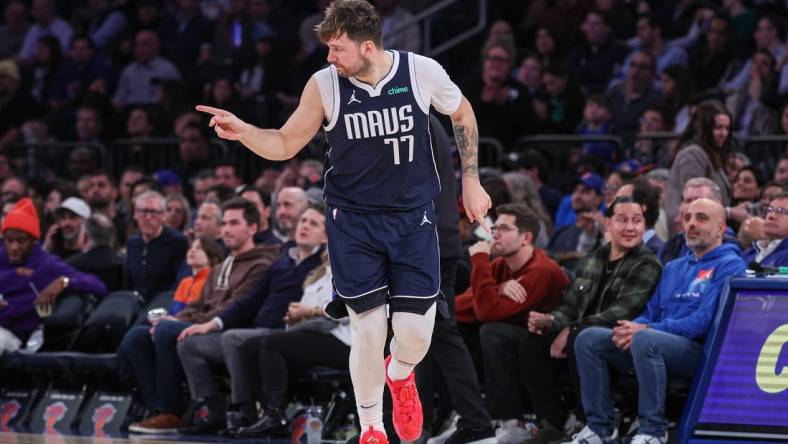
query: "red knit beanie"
23, 217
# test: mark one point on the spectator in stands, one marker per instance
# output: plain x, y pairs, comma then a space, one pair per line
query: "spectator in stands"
769, 35
258, 76
182, 33
675, 89
129, 175
169, 182
105, 23
16, 104
597, 121
595, 61
220, 193
773, 250
393, 17
280, 353
208, 222
652, 40
140, 124
502, 293
193, 151
502, 109
746, 196
529, 74
523, 191
203, 254
226, 173
46, 23
666, 339
704, 149
752, 104
694, 189
200, 184
561, 108
546, 46
572, 242
231, 41
64, 238
61, 190
98, 256
89, 125
31, 277
614, 282
178, 215
84, 71
310, 174
261, 200
141, 80
710, 57
154, 364
641, 191
13, 189
14, 28
243, 322
102, 197
290, 203
533, 164
781, 170
651, 151
156, 251
741, 24
613, 182
637, 92
47, 61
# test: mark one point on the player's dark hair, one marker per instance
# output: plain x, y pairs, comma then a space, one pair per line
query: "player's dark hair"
358, 19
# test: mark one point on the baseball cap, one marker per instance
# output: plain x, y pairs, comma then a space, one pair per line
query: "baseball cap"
591, 180
76, 206
167, 178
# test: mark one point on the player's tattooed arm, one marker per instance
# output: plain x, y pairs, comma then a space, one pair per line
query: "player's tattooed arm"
466, 134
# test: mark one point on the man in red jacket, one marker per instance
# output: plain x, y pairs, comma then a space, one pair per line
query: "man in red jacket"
503, 291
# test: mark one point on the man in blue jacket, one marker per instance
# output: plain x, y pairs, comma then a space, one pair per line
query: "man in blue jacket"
666, 338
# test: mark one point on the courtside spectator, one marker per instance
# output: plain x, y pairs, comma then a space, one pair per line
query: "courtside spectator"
502, 293
154, 254
32, 279
666, 339
98, 256
613, 282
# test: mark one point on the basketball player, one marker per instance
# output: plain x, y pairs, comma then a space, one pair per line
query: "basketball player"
380, 183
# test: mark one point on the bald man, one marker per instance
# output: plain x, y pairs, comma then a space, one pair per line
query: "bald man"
666, 339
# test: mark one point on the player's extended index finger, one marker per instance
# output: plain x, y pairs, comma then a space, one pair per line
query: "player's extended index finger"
480, 218
211, 110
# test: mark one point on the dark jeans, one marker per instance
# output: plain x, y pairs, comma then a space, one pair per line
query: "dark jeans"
538, 371
449, 355
283, 353
153, 363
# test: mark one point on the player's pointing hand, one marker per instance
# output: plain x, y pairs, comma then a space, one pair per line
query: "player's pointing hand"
225, 123
476, 202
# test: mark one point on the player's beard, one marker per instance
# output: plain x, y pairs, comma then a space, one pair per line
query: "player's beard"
363, 68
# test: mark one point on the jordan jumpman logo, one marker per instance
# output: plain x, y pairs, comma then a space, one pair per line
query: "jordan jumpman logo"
353, 98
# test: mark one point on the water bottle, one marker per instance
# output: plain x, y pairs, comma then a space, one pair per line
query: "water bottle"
314, 425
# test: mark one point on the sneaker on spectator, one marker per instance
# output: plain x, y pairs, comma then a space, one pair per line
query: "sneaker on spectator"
649, 439
587, 436
546, 433
512, 431
573, 425
472, 436
158, 424
443, 436
372, 436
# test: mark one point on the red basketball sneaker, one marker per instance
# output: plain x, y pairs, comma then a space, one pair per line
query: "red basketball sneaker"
373, 436
407, 417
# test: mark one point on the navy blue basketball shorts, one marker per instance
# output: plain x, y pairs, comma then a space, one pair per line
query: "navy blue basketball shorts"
379, 258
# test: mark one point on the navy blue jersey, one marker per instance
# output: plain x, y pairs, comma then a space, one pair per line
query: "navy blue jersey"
381, 152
